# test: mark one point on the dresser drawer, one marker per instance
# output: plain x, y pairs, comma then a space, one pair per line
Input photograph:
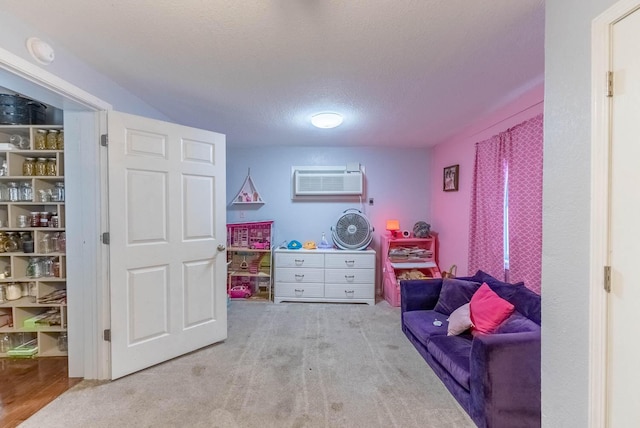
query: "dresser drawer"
346, 291
299, 260
299, 290
349, 276
350, 261
294, 275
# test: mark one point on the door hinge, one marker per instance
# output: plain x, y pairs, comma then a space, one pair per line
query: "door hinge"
104, 140
609, 84
106, 238
106, 335
607, 279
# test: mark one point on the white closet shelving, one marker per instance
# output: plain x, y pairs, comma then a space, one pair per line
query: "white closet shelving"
39, 315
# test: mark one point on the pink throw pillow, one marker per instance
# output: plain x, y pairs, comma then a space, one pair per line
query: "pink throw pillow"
488, 310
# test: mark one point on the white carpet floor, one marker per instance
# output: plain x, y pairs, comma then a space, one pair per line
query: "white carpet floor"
284, 365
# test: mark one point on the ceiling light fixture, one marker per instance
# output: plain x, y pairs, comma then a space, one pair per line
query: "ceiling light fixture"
326, 120
40, 50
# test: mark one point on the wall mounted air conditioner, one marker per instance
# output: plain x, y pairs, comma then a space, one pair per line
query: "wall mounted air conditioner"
327, 180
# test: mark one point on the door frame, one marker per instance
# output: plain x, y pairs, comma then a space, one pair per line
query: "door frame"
599, 236
88, 357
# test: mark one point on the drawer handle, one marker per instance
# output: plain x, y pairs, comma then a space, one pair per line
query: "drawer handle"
298, 291
350, 263
347, 292
299, 262
299, 276
349, 277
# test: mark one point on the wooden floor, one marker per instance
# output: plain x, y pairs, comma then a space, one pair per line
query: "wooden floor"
27, 385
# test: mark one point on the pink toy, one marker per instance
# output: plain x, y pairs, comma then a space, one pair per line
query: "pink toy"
260, 245
240, 291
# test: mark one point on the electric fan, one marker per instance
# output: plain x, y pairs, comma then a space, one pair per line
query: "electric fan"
352, 230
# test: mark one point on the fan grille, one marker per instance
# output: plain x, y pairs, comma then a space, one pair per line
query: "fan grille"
352, 232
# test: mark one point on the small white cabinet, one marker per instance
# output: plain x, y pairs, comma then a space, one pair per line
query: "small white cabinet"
325, 276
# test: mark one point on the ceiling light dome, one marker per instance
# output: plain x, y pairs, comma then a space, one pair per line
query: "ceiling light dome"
326, 120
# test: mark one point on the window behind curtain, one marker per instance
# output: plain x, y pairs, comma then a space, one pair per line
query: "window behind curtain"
506, 206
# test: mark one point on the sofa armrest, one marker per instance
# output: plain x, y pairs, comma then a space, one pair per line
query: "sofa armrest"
419, 294
505, 379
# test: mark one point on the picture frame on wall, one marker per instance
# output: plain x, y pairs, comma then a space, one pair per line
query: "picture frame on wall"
450, 178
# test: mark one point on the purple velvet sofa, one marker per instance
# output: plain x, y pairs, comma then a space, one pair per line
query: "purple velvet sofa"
495, 377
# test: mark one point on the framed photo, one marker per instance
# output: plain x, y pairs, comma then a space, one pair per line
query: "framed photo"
450, 178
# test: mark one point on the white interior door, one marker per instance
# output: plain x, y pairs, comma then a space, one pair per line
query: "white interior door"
167, 219
623, 376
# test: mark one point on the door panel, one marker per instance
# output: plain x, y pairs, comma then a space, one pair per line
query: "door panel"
166, 219
624, 300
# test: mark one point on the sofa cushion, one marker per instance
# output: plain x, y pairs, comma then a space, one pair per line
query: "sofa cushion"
454, 293
453, 353
527, 303
502, 289
488, 310
517, 323
459, 321
420, 324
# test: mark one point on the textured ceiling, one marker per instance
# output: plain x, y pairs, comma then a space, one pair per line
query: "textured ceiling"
406, 73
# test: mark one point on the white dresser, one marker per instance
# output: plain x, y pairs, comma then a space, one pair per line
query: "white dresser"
325, 276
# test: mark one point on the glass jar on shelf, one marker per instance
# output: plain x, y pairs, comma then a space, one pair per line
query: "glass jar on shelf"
4, 192
27, 242
41, 139
34, 268
45, 243
61, 243
41, 167
52, 139
12, 191
11, 244
6, 343
60, 141
29, 167
46, 264
26, 192
58, 192
62, 342
3, 240
52, 167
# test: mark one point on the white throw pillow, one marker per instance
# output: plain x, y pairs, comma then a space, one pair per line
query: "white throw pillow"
459, 321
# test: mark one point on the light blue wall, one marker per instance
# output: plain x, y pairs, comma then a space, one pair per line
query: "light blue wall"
396, 178
565, 254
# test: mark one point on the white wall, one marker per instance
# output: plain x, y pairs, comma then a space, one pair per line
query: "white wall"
13, 36
397, 179
566, 199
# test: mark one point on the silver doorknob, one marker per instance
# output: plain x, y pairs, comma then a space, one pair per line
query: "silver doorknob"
221, 247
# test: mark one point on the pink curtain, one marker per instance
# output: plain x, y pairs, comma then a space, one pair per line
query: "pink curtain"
517, 151
486, 240
524, 147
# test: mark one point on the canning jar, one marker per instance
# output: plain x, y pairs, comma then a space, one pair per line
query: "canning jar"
34, 268
27, 242
13, 193
41, 139
52, 167
58, 192
34, 219
28, 167
3, 239
52, 140
11, 244
14, 291
26, 192
41, 166
60, 141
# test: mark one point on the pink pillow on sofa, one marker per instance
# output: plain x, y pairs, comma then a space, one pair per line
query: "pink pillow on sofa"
488, 310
